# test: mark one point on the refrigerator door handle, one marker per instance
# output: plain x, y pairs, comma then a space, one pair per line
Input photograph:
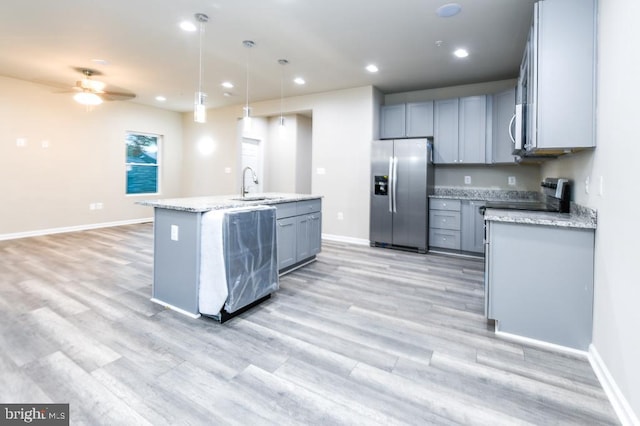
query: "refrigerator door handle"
395, 183
391, 179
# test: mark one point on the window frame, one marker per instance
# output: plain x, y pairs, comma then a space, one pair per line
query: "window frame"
157, 165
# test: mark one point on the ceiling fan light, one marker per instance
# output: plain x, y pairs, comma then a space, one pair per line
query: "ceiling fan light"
94, 85
87, 98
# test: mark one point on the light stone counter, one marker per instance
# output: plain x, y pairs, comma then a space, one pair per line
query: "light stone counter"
204, 204
579, 217
484, 194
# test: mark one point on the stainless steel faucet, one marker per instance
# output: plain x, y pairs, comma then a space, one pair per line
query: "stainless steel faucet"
243, 188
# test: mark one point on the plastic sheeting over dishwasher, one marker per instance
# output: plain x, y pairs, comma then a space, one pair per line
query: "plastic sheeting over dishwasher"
238, 265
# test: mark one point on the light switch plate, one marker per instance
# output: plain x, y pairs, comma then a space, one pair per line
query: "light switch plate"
174, 232
467, 180
511, 180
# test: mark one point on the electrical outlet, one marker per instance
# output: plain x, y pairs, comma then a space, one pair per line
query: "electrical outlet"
467, 180
174, 232
586, 185
340, 216
321, 171
45, 144
21, 142
601, 189
511, 180
99, 206
92, 206
227, 170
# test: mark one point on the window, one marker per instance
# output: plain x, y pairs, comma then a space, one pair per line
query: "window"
142, 163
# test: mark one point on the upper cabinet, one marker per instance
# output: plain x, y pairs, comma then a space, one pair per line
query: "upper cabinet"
559, 76
411, 120
503, 127
460, 130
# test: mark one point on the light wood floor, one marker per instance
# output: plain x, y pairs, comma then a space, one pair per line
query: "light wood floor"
362, 336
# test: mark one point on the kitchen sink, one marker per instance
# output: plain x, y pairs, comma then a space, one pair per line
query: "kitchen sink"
255, 198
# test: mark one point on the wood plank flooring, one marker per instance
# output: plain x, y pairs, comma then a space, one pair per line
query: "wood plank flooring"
362, 336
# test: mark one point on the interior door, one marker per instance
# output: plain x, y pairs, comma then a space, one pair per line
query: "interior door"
252, 157
410, 217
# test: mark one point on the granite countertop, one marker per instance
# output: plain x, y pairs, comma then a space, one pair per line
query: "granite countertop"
484, 194
580, 217
203, 204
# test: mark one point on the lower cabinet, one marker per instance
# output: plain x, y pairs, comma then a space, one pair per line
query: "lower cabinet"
286, 237
444, 224
456, 225
472, 233
539, 282
299, 229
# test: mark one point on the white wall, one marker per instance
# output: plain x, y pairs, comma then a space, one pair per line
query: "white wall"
47, 188
494, 177
617, 267
342, 131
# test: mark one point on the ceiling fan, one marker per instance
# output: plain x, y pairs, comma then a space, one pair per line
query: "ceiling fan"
92, 92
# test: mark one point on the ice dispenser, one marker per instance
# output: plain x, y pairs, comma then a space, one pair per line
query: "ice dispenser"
381, 185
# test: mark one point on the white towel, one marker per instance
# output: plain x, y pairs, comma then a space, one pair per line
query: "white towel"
213, 278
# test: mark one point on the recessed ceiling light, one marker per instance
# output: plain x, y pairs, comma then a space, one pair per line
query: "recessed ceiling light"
160, 98
461, 53
188, 26
227, 84
299, 80
448, 10
371, 68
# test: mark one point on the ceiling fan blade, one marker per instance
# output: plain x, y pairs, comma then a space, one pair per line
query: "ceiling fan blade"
116, 96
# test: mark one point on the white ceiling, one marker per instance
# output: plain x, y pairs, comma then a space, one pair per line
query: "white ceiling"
328, 42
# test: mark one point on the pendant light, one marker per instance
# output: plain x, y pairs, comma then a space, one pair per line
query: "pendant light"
246, 119
282, 62
200, 110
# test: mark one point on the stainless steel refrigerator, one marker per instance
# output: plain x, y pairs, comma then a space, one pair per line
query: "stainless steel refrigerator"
401, 182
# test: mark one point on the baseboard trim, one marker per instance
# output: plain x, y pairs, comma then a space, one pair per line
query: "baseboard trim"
620, 404
541, 344
175, 308
50, 231
343, 239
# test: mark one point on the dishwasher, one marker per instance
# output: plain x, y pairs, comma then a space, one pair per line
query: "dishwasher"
239, 262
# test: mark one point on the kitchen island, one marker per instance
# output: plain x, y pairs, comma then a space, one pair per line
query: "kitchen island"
178, 237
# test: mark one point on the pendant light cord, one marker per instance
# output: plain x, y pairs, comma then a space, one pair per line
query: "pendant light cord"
200, 60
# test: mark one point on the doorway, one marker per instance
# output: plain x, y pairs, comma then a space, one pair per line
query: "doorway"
252, 157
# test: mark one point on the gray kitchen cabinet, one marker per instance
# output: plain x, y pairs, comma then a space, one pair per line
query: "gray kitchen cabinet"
539, 282
307, 235
472, 226
472, 134
444, 223
286, 237
503, 127
561, 76
315, 233
411, 120
460, 130
419, 120
392, 121
298, 232
445, 131
456, 225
